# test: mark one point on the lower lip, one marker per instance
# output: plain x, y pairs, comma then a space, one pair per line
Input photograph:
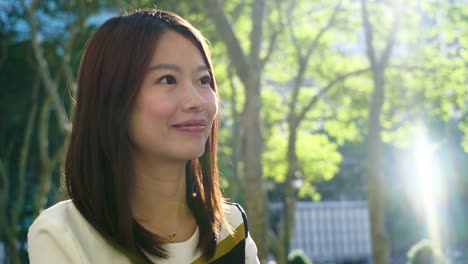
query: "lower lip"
191, 129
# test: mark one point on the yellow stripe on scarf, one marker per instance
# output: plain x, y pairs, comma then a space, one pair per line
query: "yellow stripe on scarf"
223, 247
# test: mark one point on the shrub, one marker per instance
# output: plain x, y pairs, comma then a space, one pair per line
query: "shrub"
425, 252
298, 256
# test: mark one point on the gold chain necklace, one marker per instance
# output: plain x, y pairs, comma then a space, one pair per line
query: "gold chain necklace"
172, 236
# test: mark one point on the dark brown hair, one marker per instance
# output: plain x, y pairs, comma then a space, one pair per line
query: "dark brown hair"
98, 168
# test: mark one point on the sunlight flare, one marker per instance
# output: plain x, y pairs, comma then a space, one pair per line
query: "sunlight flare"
428, 188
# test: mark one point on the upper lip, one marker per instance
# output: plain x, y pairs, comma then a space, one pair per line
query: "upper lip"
192, 122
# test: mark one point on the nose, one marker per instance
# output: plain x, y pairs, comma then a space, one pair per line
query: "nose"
193, 100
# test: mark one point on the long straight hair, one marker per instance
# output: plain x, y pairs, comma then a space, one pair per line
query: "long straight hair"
98, 170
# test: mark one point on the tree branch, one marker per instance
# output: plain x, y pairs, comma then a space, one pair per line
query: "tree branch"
391, 38
276, 32
236, 138
4, 54
325, 89
303, 62
23, 158
256, 34
174, 5
4, 184
43, 135
44, 71
45, 179
271, 46
4, 190
274, 243
369, 34
330, 23
225, 29
322, 119
238, 11
412, 68
295, 41
75, 29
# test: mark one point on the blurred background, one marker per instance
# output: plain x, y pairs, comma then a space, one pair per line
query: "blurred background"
343, 122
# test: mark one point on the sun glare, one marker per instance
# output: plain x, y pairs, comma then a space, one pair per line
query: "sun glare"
428, 183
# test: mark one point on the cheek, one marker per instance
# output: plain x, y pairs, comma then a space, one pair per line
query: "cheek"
212, 105
156, 108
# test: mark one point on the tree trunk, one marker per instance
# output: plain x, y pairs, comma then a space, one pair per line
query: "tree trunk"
248, 69
375, 173
380, 243
254, 192
290, 192
235, 184
13, 253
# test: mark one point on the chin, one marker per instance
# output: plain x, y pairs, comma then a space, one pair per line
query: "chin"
191, 155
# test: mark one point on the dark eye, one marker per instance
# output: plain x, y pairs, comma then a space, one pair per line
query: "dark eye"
168, 79
205, 80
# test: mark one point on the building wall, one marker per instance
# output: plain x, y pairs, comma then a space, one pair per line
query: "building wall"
333, 231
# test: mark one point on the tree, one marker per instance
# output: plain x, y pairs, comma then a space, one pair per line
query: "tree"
29, 167
421, 89
380, 244
384, 73
297, 112
296, 93
249, 66
299, 108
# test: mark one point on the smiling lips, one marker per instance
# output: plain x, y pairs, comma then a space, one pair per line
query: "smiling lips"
193, 126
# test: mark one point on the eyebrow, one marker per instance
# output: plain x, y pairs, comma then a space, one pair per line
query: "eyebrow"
176, 68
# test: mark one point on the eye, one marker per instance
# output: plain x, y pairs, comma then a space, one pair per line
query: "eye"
168, 79
205, 80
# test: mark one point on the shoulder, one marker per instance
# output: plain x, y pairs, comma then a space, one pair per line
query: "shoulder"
235, 215
49, 235
62, 215
234, 245
62, 234
54, 217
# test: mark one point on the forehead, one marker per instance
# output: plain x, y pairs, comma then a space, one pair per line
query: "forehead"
173, 47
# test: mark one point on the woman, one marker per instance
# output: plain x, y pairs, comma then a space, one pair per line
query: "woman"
141, 166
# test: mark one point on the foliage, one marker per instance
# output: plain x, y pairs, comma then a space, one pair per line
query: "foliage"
37, 78
426, 81
298, 256
425, 252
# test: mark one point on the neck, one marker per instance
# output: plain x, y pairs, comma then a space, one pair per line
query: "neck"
159, 189
159, 201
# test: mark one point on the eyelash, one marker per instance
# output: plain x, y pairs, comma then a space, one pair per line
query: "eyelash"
166, 77
205, 80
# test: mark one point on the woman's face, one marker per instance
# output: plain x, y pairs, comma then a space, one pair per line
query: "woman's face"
176, 105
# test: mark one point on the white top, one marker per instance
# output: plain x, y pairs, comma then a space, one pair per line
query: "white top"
61, 234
